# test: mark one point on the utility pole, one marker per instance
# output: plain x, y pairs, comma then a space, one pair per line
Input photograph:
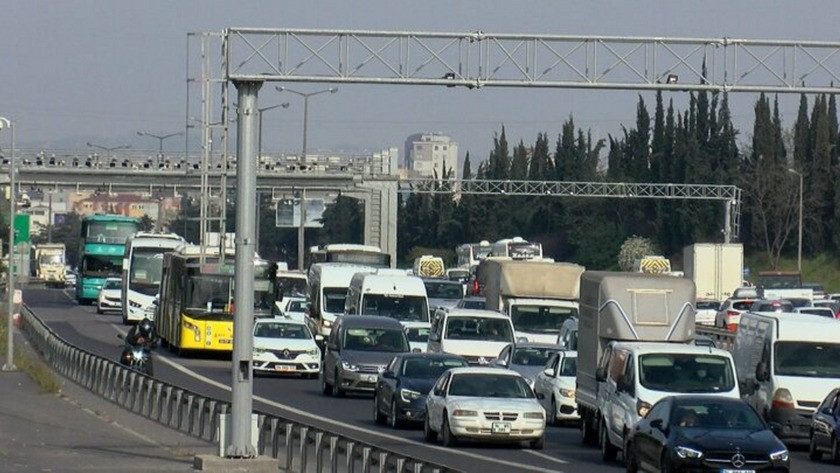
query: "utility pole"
10, 278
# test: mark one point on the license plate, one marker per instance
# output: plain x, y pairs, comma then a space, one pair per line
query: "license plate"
500, 427
284, 368
725, 470
226, 341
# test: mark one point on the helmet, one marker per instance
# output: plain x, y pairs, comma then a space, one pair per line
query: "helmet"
146, 327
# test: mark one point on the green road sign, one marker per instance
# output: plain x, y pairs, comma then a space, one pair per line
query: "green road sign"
21, 228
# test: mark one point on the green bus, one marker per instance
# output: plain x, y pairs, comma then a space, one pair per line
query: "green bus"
101, 249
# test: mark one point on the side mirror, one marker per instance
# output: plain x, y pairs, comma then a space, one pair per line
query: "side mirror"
500, 362
549, 372
601, 374
319, 338
761, 372
388, 374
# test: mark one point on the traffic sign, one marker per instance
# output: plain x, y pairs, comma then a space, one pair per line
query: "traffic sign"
21, 228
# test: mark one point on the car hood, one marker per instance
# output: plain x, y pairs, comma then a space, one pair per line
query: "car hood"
358, 357
725, 439
529, 372
485, 404
294, 344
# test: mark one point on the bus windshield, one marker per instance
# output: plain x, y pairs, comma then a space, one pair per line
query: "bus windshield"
110, 232
396, 306
286, 286
540, 319
524, 250
101, 265
146, 268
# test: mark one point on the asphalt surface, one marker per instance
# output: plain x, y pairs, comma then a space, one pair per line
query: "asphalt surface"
301, 400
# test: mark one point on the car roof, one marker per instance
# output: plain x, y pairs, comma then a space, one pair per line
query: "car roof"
368, 321
462, 312
282, 320
537, 345
442, 356
474, 370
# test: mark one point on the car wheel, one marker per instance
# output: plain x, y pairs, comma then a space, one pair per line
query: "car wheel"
665, 463
326, 389
835, 450
608, 451
553, 414
98, 309
378, 418
538, 444
336, 387
393, 420
813, 452
630, 462
448, 438
587, 432
429, 434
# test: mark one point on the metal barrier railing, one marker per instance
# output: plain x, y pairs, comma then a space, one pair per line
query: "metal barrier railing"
722, 337
297, 447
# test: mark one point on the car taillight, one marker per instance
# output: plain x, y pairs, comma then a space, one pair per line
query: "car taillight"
475, 286
782, 398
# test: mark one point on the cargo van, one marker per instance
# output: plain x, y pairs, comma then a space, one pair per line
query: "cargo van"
327, 287
787, 364
393, 294
477, 335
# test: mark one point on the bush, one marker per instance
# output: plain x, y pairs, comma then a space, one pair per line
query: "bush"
634, 248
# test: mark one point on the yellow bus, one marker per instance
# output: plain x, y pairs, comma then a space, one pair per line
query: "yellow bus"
195, 307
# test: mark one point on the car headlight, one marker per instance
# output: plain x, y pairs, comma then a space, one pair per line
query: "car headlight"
312, 352
568, 393
408, 395
464, 413
780, 456
642, 408
534, 415
685, 452
349, 366
326, 323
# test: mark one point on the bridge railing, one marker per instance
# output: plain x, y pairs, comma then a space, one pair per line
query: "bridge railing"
296, 446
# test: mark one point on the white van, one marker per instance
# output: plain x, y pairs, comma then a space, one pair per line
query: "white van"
327, 288
476, 335
634, 376
787, 364
391, 293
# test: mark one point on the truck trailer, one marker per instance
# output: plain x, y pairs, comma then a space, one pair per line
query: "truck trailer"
716, 269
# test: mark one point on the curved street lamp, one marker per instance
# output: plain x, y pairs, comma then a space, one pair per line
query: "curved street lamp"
160, 139
109, 149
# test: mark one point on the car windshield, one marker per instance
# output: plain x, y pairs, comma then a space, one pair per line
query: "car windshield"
686, 373
568, 366
540, 319
443, 290
417, 334
430, 368
807, 359
111, 284
396, 306
711, 414
334, 299
532, 356
489, 385
375, 339
479, 328
296, 306
280, 330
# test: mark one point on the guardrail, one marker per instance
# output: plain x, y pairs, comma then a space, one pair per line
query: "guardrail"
296, 446
722, 337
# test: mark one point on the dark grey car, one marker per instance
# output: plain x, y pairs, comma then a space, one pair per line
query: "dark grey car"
358, 349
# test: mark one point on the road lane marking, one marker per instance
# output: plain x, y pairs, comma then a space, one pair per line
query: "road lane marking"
395, 438
548, 457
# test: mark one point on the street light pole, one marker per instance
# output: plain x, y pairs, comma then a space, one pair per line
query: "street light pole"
799, 248
302, 225
109, 149
10, 278
160, 141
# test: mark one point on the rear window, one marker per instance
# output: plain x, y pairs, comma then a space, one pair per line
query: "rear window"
707, 305
742, 305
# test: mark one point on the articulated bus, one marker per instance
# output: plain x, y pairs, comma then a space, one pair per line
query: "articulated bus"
351, 253
142, 270
470, 254
195, 310
101, 250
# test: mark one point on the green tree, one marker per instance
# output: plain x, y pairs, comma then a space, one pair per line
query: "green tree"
343, 221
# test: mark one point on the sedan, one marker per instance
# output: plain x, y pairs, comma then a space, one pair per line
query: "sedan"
110, 296
285, 346
704, 433
556, 384
488, 404
825, 426
400, 394
526, 358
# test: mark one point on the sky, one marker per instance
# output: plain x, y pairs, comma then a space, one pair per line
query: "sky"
91, 71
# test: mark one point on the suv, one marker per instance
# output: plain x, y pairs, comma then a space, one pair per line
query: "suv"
730, 312
359, 348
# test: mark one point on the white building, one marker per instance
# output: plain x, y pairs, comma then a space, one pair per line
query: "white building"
429, 153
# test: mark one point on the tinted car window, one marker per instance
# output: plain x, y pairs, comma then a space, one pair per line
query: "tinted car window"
716, 415
707, 305
280, 330
531, 356
443, 290
430, 367
568, 367
742, 305
686, 373
367, 339
478, 328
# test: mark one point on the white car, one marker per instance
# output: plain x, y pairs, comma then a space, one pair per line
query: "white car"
110, 296
488, 404
283, 345
706, 312
295, 308
556, 386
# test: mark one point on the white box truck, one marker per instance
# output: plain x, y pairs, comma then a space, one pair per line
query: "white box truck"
635, 334
50, 263
717, 269
538, 296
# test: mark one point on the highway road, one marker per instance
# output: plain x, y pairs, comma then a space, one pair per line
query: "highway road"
302, 401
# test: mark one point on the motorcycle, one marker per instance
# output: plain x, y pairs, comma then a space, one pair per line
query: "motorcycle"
137, 357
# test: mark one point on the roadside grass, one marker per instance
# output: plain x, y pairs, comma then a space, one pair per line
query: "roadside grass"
30, 364
823, 268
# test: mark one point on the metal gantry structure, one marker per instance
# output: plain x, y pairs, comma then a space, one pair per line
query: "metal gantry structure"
252, 56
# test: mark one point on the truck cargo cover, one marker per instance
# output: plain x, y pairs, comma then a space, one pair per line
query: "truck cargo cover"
532, 279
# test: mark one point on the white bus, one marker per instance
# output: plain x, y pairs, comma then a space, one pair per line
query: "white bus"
351, 253
470, 254
142, 272
517, 248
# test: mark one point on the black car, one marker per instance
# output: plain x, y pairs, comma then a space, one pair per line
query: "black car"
825, 425
704, 433
401, 391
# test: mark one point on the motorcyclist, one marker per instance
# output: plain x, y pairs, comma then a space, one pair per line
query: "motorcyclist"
143, 334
